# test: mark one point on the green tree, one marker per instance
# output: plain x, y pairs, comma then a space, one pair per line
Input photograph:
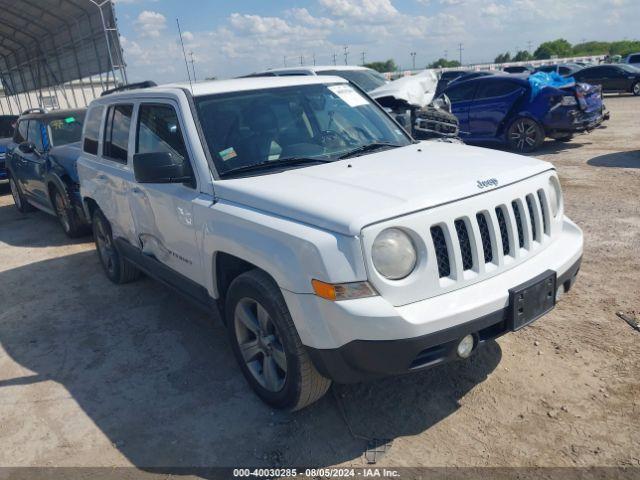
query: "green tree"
444, 63
503, 58
559, 48
382, 67
522, 56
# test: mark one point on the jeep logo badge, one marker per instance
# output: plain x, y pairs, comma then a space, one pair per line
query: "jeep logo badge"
491, 182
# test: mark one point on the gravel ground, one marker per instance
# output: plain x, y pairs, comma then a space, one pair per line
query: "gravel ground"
92, 374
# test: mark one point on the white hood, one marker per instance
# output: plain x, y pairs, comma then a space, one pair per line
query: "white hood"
347, 195
416, 90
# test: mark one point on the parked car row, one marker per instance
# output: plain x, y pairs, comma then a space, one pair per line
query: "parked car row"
334, 245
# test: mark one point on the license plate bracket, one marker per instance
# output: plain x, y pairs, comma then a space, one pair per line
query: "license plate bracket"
531, 300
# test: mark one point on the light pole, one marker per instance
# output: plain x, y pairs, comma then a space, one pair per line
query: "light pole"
346, 55
413, 59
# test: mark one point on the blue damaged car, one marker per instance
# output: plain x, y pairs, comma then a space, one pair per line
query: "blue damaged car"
513, 110
41, 166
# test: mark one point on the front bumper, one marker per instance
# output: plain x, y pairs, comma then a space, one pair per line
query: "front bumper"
367, 338
362, 360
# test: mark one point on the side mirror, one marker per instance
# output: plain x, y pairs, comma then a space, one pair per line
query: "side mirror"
27, 147
161, 167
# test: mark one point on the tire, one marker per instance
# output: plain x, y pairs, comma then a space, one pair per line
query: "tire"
19, 200
117, 269
525, 135
67, 216
635, 89
268, 342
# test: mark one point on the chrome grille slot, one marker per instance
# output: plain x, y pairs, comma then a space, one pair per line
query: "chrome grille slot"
532, 215
518, 216
543, 209
504, 232
442, 252
465, 244
483, 226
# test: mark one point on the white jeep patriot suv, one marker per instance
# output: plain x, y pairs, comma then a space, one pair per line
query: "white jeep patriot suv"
335, 246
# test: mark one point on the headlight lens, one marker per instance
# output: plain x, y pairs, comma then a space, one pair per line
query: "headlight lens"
393, 254
555, 195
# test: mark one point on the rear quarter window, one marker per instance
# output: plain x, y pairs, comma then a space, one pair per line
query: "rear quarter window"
92, 130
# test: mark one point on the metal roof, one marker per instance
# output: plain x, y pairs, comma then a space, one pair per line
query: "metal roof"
45, 43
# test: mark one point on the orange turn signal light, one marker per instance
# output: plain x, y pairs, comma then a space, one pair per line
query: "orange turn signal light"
324, 290
342, 291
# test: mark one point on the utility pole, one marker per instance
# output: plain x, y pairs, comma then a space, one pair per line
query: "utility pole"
334, 58
284, 61
413, 59
346, 55
314, 59
363, 62
460, 50
529, 46
193, 68
446, 54
301, 60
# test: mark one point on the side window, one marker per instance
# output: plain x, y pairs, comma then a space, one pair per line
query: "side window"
21, 132
92, 130
159, 131
461, 93
634, 59
496, 89
116, 132
35, 134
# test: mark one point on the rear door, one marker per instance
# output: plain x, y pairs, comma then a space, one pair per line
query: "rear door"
35, 164
461, 96
596, 76
493, 101
163, 213
14, 157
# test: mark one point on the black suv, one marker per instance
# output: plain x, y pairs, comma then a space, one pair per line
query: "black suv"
41, 164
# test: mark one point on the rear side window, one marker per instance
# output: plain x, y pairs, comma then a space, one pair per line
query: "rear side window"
159, 131
21, 132
634, 59
92, 130
461, 93
35, 134
116, 132
496, 89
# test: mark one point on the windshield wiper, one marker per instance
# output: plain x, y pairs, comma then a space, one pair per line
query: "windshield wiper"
369, 147
282, 162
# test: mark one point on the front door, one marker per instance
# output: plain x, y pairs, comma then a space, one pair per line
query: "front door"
461, 97
163, 213
34, 165
493, 101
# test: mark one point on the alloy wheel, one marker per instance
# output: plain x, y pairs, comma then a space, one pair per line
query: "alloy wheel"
61, 211
260, 344
636, 89
524, 135
105, 247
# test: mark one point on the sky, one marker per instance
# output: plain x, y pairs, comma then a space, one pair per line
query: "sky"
231, 38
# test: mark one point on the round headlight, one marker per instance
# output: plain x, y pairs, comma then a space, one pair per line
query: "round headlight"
393, 254
555, 195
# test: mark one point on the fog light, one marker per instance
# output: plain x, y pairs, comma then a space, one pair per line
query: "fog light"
465, 347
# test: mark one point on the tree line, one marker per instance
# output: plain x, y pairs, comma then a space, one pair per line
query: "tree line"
555, 48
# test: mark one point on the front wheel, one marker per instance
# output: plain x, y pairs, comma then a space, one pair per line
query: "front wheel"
67, 216
21, 203
117, 269
525, 135
267, 346
636, 89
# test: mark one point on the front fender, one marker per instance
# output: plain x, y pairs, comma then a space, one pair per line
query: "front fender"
292, 253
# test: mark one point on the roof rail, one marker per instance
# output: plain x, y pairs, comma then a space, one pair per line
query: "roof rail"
34, 110
130, 86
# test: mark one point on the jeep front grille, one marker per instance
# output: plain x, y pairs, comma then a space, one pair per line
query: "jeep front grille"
483, 237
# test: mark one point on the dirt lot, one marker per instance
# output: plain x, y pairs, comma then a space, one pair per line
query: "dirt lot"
92, 374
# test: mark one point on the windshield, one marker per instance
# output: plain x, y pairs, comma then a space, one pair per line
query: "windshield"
66, 130
322, 122
367, 80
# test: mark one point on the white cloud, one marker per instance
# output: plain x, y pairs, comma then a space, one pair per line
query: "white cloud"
360, 9
151, 24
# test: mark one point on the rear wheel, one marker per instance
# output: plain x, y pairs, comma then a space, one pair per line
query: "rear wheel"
21, 203
117, 269
525, 135
267, 346
636, 89
67, 216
